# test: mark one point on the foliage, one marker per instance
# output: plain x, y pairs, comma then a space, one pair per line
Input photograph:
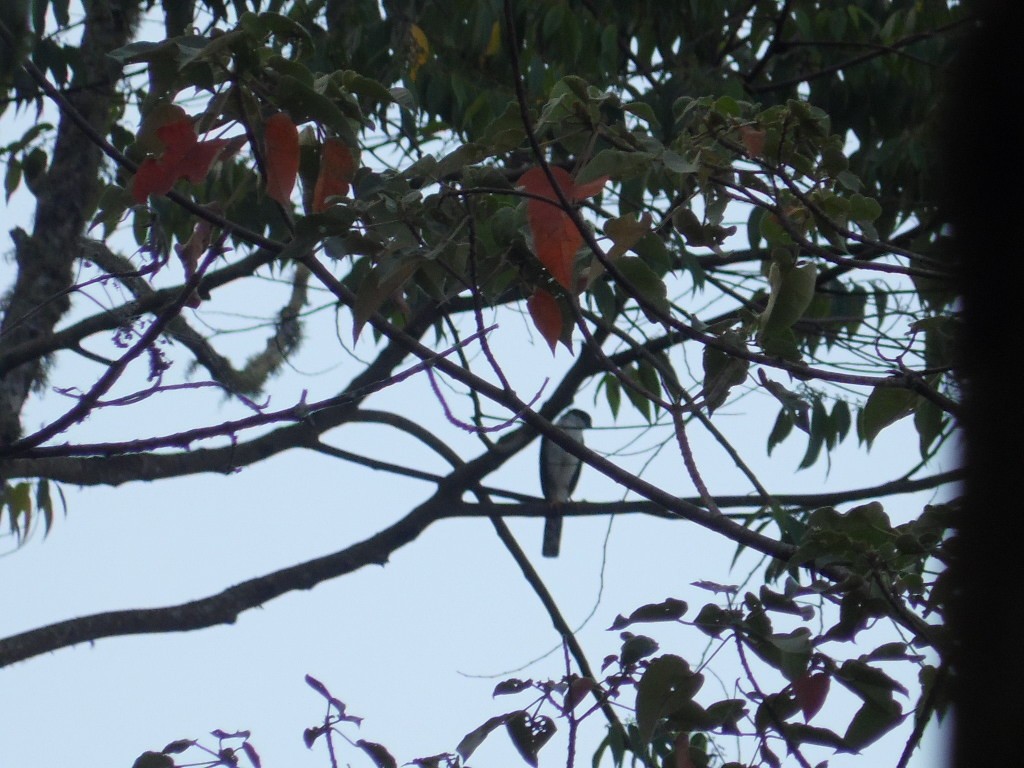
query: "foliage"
705, 203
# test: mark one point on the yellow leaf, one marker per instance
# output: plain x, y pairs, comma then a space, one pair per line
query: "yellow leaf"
494, 44
420, 50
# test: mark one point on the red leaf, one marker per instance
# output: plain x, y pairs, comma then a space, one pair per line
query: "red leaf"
589, 189
184, 156
547, 316
282, 155
336, 171
753, 140
151, 179
555, 237
811, 691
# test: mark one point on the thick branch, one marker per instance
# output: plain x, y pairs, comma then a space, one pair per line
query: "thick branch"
39, 297
225, 607
154, 301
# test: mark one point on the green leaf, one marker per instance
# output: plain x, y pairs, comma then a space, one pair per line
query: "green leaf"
677, 163
282, 26
869, 683
818, 434
885, 406
476, 737
667, 684
794, 652
775, 710
304, 103
773, 232
641, 109
652, 250
634, 648
779, 342
726, 714
12, 178
467, 154
378, 753
792, 288
639, 401
625, 232
800, 733
377, 287
871, 722
781, 429
529, 733
616, 164
506, 131
366, 86
726, 105
45, 504
723, 371
840, 419
293, 68
712, 619
153, 760
604, 300
18, 500
33, 166
864, 209
644, 281
668, 610
613, 392
143, 51
929, 420
648, 377
754, 228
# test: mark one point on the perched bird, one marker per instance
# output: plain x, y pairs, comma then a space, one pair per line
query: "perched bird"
559, 473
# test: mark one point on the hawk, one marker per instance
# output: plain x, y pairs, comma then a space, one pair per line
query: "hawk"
559, 473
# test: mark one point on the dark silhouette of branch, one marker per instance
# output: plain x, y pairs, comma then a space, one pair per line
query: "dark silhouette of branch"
773, 45
854, 61
224, 607
251, 378
154, 301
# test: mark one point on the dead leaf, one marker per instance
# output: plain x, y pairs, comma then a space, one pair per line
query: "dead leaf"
184, 156
555, 237
337, 168
281, 139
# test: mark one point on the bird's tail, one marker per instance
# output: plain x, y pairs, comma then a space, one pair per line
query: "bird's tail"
552, 536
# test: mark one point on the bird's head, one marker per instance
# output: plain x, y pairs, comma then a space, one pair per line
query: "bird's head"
575, 419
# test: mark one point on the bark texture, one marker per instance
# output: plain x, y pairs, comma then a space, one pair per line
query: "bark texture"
65, 195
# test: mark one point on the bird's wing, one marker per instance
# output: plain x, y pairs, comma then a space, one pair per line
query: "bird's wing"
546, 467
575, 477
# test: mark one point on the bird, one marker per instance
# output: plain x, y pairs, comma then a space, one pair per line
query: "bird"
559, 473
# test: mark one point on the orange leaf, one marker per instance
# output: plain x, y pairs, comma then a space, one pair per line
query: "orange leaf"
555, 237
184, 156
336, 171
547, 316
282, 153
753, 140
588, 189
